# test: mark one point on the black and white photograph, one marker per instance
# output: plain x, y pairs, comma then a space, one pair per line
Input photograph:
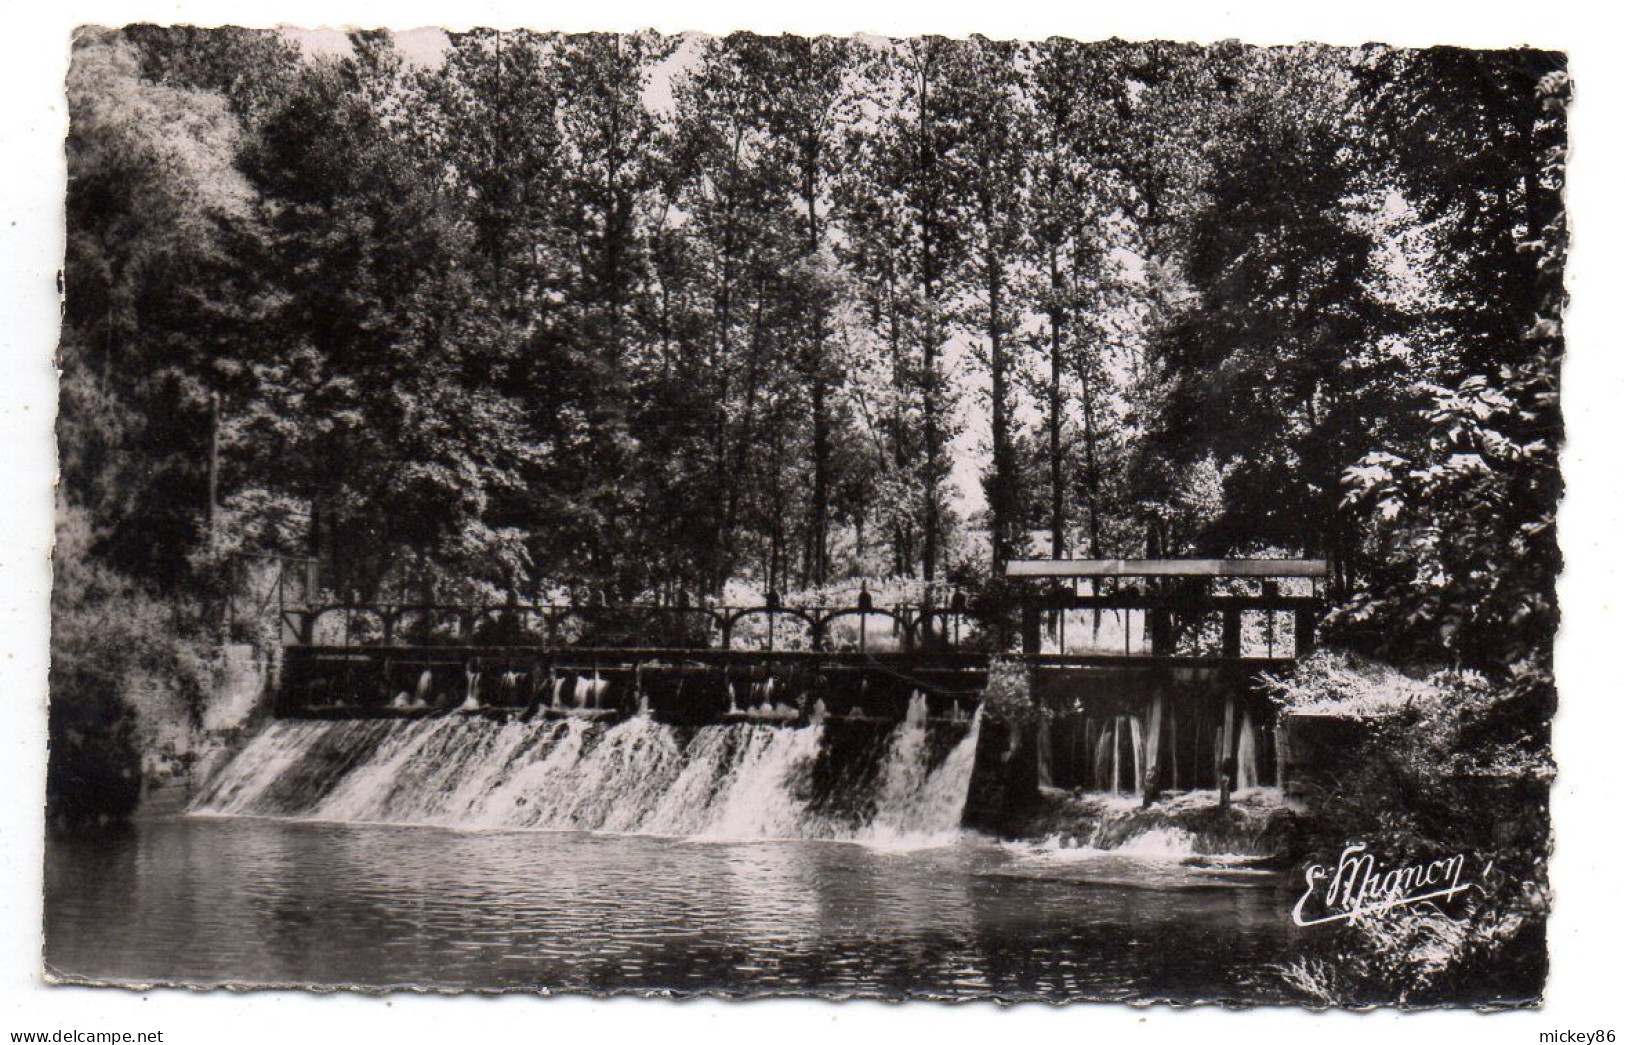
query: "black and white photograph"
910, 517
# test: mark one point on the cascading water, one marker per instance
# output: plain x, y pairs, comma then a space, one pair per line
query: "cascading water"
740, 780
1246, 754
1115, 771
917, 803
1117, 754
472, 701
1137, 746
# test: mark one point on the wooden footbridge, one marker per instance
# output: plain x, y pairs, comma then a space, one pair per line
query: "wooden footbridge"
1192, 614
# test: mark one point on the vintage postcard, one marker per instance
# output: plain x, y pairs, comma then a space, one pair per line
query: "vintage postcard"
915, 518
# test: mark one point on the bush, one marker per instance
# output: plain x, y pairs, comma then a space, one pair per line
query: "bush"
129, 675
1450, 762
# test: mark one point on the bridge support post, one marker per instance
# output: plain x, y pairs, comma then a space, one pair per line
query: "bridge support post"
1230, 635
1032, 630
1161, 625
1303, 631
1151, 786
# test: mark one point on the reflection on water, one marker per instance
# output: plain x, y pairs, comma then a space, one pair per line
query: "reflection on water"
273, 902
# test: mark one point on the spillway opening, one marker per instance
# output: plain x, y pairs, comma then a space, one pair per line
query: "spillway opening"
1117, 733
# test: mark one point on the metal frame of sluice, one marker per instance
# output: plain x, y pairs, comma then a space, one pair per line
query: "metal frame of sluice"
1180, 601
861, 627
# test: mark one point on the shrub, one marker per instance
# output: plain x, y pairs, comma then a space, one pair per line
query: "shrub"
1450, 762
128, 679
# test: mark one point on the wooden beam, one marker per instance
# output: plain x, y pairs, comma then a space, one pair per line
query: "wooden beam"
1192, 602
1165, 568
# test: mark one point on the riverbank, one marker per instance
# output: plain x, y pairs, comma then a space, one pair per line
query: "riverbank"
1438, 765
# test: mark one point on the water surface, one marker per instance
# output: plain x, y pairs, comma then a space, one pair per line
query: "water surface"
213, 900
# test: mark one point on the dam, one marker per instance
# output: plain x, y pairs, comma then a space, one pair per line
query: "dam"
852, 723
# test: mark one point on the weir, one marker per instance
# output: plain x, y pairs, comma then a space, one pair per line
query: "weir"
902, 785
851, 723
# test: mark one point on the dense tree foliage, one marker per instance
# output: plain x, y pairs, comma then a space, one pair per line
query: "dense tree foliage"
1462, 540
631, 316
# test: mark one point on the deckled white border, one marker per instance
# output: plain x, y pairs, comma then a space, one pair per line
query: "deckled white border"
1586, 930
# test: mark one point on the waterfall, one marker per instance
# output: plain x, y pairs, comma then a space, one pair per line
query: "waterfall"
742, 780
915, 800
471, 702
1247, 754
1137, 745
1110, 766
1117, 754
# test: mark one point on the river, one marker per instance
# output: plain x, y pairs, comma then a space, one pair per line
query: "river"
249, 900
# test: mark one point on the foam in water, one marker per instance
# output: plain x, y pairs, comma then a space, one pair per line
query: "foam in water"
1155, 845
743, 780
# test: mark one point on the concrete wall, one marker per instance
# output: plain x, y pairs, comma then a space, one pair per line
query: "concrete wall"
1004, 781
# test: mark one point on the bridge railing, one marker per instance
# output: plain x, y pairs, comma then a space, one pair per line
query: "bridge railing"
768, 627
1186, 608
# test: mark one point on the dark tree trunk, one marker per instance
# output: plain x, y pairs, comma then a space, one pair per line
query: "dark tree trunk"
1001, 498
1057, 487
